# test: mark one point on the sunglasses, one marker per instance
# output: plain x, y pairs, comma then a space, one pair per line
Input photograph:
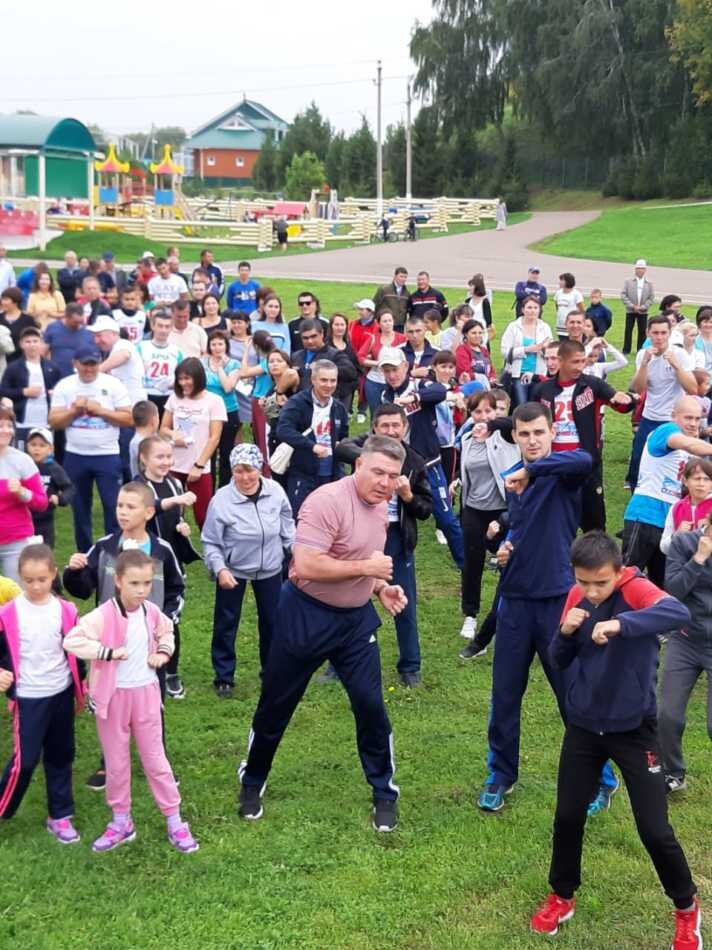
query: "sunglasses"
305, 303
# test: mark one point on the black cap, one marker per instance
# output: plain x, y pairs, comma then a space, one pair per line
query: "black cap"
88, 354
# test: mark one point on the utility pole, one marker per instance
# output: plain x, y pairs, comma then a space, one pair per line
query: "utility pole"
379, 146
408, 148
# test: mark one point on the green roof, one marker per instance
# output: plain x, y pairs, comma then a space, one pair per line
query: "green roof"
227, 138
47, 133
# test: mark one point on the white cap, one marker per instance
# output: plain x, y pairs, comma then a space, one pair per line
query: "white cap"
365, 304
640, 262
147, 254
391, 356
104, 322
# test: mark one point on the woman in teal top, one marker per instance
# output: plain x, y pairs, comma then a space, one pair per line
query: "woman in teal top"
222, 374
262, 386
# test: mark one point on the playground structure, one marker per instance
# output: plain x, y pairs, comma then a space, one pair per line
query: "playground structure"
114, 186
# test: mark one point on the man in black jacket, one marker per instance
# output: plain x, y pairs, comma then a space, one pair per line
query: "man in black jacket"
312, 338
425, 297
312, 422
575, 401
410, 502
29, 383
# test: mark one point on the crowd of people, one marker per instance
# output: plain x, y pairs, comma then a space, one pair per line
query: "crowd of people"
143, 384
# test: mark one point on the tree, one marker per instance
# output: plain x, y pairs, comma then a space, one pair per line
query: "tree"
335, 160
691, 40
266, 173
358, 174
428, 154
155, 139
304, 173
394, 157
308, 132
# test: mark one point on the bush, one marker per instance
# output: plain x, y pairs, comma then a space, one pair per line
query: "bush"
703, 189
515, 193
676, 185
610, 186
646, 182
625, 178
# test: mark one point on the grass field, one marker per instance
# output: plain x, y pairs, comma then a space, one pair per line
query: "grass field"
667, 237
313, 874
128, 248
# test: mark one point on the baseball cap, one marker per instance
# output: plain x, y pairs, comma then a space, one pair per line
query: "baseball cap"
104, 322
391, 356
107, 256
146, 255
640, 262
534, 269
365, 304
43, 432
88, 354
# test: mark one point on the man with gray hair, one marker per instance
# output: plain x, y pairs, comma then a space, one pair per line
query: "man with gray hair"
326, 613
312, 422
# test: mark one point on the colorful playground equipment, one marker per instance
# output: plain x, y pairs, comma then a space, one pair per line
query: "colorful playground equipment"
167, 192
111, 190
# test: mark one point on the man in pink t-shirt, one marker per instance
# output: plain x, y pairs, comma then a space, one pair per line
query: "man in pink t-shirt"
326, 613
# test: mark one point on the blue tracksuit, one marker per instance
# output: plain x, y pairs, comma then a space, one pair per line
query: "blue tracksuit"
533, 588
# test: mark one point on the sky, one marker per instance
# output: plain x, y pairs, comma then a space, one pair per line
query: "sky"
125, 65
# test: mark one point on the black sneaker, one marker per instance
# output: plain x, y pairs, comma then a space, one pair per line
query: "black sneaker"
385, 815
250, 803
174, 687
97, 780
411, 680
472, 650
675, 783
224, 690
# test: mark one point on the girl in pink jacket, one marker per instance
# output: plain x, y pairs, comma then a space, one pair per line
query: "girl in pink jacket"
126, 640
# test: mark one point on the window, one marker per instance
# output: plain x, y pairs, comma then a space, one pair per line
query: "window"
210, 159
239, 161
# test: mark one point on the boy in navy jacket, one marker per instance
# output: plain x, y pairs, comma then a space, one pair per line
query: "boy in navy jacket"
609, 636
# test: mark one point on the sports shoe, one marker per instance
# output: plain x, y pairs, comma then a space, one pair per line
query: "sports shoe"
688, 924
97, 780
472, 650
411, 680
114, 837
385, 815
223, 690
63, 830
182, 840
360, 418
675, 783
491, 797
440, 537
329, 675
468, 630
554, 911
250, 802
602, 801
174, 687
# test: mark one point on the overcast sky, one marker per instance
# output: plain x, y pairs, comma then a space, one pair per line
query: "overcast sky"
125, 64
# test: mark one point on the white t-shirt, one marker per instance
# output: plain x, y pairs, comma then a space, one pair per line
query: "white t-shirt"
159, 366
663, 387
133, 324
135, 671
44, 670
90, 435
193, 341
166, 290
129, 373
321, 424
36, 406
567, 436
566, 301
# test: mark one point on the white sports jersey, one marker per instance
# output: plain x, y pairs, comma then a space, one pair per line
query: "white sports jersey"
159, 366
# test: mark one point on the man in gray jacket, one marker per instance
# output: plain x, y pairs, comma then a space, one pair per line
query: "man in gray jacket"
637, 295
248, 531
688, 652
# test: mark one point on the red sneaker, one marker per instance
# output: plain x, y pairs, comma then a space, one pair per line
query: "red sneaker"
687, 928
554, 911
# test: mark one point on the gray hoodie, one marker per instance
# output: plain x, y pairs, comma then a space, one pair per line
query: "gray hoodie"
691, 583
248, 537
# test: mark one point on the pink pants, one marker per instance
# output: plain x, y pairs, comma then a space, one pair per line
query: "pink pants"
136, 712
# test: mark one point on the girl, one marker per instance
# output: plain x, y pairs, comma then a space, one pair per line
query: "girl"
211, 318
42, 683
523, 345
692, 510
285, 382
472, 359
273, 322
433, 327
264, 344
452, 337
155, 460
126, 640
481, 307
384, 334
222, 374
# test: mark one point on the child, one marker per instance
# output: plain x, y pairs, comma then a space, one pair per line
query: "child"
610, 625
145, 419
58, 487
693, 509
42, 683
433, 320
449, 413
127, 639
599, 313
130, 317
597, 364
93, 572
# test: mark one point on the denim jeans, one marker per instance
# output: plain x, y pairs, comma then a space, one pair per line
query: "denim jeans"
445, 517
406, 621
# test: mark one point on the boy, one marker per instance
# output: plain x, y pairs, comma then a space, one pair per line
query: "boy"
130, 316
93, 572
145, 420
59, 489
610, 624
599, 313
29, 382
160, 359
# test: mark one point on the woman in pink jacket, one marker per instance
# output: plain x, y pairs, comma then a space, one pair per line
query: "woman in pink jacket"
21, 493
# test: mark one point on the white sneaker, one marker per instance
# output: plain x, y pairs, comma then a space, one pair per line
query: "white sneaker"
360, 418
440, 537
469, 628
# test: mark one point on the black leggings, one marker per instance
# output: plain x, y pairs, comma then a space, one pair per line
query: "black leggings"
637, 755
474, 531
172, 665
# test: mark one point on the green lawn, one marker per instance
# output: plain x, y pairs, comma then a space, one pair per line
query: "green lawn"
128, 248
313, 874
667, 237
